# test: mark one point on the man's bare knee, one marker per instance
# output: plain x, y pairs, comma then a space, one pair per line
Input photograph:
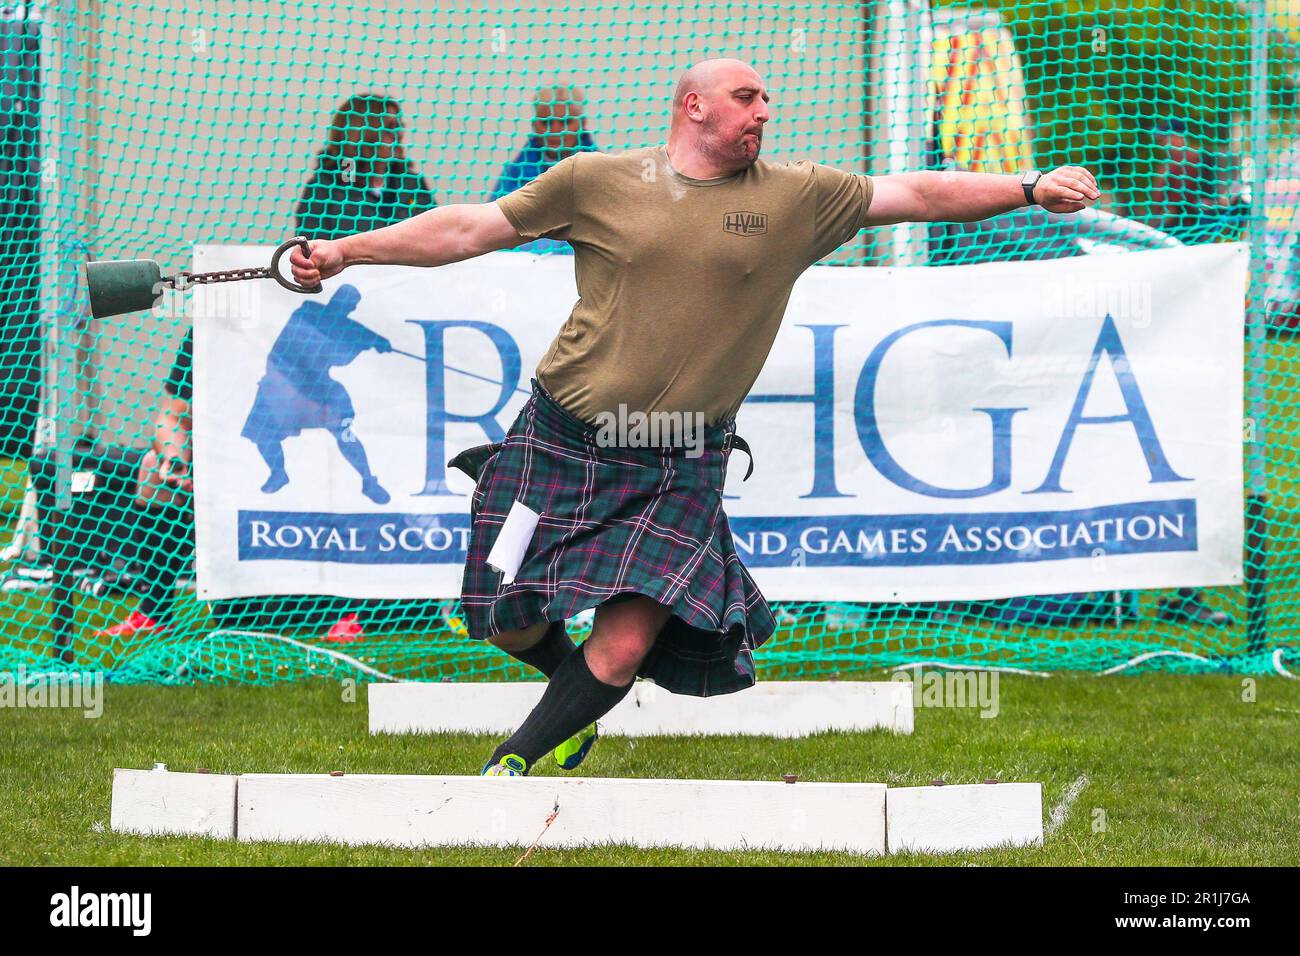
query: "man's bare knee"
622, 636
521, 639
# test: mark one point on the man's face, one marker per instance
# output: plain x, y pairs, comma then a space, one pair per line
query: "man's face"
736, 111
558, 119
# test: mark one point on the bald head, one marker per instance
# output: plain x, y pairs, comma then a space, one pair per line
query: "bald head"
706, 76
719, 109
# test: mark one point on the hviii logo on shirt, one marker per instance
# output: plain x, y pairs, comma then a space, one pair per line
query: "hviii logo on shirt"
745, 223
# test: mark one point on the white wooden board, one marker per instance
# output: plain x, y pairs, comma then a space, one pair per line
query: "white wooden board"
964, 817
771, 709
159, 801
415, 811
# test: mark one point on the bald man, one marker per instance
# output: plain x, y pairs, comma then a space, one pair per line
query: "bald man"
685, 255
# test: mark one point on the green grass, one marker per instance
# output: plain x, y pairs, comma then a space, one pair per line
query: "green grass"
1184, 771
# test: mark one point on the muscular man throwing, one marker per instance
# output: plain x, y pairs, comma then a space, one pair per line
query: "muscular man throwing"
685, 255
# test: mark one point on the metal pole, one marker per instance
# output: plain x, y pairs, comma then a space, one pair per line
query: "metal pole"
59, 296
1256, 570
898, 66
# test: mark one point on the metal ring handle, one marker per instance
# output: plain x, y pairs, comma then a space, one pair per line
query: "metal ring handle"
275, 266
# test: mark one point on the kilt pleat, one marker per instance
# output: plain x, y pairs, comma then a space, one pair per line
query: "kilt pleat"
616, 521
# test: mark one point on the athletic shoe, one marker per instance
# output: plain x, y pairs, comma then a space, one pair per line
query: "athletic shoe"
574, 750
135, 625
456, 625
508, 766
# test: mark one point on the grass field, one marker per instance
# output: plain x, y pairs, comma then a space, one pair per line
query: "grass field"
1180, 771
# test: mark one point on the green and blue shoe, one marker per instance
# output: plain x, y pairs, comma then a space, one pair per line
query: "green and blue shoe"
511, 765
574, 750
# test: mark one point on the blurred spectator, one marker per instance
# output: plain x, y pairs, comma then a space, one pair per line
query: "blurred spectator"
559, 130
1283, 308
165, 518
362, 181
1188, 204
362, 178
164, 490
1188, 200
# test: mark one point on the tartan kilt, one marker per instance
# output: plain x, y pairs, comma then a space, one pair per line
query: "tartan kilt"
616, 521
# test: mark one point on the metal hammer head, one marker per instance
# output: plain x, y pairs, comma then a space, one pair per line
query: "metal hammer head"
118, 286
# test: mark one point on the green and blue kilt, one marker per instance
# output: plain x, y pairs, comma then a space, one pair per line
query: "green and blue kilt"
616, 521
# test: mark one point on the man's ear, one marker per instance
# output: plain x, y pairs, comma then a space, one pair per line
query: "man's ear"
694, 106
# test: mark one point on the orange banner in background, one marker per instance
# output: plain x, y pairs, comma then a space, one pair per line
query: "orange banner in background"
978, 95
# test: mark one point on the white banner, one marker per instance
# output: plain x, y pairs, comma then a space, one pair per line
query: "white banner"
919, 434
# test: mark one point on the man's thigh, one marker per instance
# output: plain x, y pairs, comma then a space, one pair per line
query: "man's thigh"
521, 639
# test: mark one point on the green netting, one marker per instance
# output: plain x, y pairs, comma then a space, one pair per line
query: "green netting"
139, 129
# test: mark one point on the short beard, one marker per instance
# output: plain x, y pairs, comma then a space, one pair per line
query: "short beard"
727, 155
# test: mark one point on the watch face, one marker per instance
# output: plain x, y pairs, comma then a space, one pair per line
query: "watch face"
1028, 184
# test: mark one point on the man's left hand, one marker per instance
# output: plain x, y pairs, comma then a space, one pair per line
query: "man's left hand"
1067, 189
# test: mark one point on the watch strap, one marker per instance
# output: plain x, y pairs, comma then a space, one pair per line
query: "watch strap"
1028, 183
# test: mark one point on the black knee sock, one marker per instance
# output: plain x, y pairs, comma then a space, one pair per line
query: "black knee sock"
548, 653
574, 698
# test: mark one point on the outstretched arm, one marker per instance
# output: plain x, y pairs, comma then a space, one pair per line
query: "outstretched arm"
433, 238
968, 197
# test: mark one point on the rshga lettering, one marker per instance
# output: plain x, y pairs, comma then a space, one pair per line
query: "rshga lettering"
312, 537
421, 539
816, 540
1048, 537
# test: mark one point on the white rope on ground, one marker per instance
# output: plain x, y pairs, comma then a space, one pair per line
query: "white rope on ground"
1152, 654
1277, 664
970, 667
943, 665
328, 652
1062, 809
1131, 662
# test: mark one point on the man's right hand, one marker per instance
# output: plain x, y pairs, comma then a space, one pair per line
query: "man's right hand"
159, 484
326, 261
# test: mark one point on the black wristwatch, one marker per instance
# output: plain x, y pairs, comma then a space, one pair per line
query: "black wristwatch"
1028, 183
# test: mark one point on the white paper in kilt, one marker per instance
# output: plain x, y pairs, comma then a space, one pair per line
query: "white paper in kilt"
904, 492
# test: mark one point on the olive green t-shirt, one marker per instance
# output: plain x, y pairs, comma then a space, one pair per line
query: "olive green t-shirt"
682, 282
